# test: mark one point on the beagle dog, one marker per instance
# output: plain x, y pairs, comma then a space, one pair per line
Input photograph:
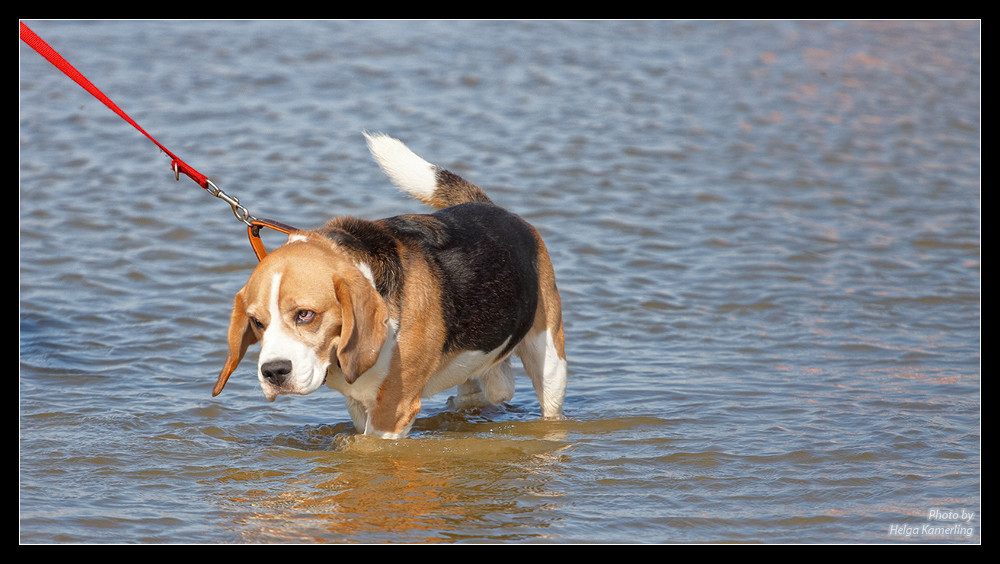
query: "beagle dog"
391, 311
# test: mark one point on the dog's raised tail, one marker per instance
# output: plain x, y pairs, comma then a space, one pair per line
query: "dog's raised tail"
424, 181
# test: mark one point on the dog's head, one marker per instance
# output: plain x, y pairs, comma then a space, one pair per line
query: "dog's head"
310, 307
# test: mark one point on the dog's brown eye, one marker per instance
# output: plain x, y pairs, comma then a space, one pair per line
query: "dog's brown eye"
256, 323
304, 316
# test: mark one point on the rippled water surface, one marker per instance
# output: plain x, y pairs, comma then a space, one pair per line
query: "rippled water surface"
766, 236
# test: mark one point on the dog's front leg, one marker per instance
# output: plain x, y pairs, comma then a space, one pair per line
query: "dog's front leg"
398, 401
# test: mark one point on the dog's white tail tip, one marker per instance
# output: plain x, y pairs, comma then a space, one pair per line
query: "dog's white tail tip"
405, 168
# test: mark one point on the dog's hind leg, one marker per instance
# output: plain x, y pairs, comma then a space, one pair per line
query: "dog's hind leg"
494, 387
544, 360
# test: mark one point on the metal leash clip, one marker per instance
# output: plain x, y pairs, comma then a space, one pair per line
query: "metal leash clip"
253, 224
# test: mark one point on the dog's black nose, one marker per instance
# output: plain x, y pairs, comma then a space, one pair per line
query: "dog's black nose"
276, 370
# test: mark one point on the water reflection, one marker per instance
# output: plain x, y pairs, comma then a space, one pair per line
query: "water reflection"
438, 486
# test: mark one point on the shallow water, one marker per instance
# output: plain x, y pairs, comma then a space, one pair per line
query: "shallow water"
766, 236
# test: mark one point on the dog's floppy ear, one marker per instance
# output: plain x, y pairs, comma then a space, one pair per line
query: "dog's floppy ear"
364, 326
241, 336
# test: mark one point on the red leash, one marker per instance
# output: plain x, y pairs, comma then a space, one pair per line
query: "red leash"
56, 59
176, 164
